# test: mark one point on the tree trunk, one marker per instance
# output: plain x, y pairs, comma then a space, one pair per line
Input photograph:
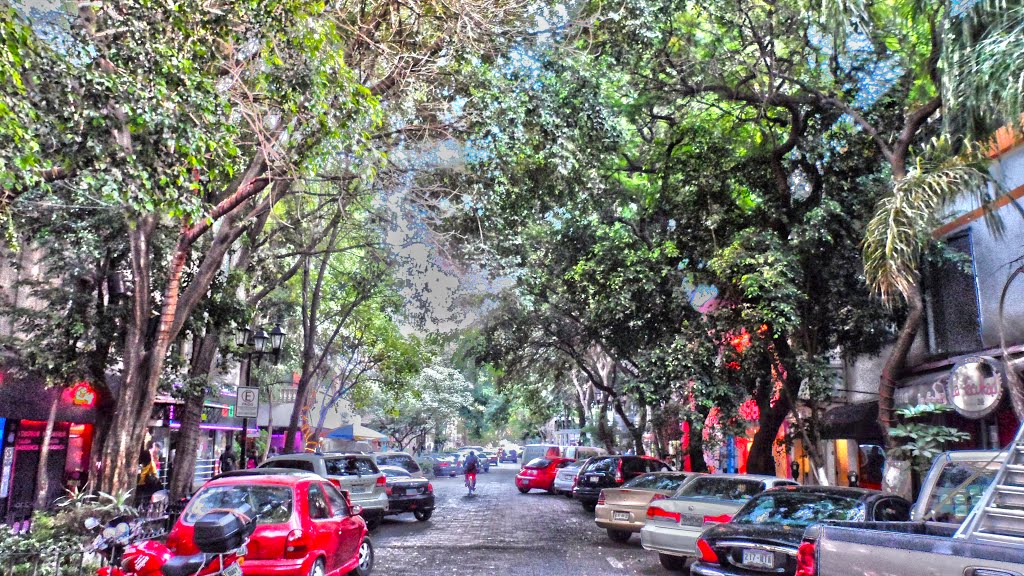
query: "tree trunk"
897, 360
605, 436
636, 434
42, 478
695, 446
270, 424
761, 459
187, 447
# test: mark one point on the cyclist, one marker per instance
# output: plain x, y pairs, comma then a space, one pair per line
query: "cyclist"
471, 466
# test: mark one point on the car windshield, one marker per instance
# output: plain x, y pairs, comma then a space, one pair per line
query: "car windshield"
277, 498
350, 466
399, 460
539, 463
656, 482
735, 489
946, 503
799, 509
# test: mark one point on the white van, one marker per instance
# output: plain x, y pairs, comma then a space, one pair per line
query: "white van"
533, 451
582, 452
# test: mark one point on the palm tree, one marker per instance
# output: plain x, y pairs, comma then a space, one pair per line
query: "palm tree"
899, 232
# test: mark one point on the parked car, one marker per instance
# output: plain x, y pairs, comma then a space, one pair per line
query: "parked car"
408, 493
308, 525
565, 480
674, 525
765, 535
531, 452
540, 474
355, 474
510, 456
492, 459
401, 460
444, 465
623, 511
955, 485
611, 472
582, 452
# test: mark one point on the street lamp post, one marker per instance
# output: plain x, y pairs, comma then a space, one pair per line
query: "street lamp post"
261, 343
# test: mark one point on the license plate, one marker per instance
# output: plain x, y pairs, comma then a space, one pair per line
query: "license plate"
758, 559
233, 570
594, 479
691, 520
623, 516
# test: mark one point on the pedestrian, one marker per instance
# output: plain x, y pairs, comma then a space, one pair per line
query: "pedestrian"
228, 460
148, 480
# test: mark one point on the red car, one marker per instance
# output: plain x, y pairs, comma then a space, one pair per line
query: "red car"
540, 473
308, 526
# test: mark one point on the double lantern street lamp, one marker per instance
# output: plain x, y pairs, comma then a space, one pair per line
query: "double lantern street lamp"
261, 343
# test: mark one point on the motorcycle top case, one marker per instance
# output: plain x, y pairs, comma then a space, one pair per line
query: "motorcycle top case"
220, 531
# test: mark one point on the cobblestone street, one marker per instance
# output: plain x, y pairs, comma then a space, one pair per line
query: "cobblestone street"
500, 531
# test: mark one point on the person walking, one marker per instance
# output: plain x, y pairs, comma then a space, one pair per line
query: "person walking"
228, 460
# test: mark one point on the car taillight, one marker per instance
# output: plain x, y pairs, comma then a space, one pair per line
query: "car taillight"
707, 554
655, 513
600, 498
657, 497
722, 519
430, 488
619, 478
387, 490
806, 561
295, 544
575, 481
381, 481
444, 464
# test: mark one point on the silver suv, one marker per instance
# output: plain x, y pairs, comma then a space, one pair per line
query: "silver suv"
356, 474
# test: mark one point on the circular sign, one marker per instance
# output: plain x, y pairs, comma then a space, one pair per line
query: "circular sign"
975, 386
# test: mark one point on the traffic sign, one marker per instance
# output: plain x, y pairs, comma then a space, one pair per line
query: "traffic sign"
247, 403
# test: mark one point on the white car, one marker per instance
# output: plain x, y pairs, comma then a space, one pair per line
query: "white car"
565, 480
674, 525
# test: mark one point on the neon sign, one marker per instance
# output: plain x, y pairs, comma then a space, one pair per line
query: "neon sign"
83, 395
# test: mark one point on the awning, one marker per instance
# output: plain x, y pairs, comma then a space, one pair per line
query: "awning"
355, 432
854, 422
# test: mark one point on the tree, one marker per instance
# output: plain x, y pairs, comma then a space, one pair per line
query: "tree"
433, 399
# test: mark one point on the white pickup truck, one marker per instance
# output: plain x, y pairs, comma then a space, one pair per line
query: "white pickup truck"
925, 546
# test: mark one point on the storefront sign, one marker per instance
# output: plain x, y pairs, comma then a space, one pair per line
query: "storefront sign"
929, 393
975, 386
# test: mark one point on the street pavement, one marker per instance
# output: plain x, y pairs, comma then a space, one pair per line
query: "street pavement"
500, 531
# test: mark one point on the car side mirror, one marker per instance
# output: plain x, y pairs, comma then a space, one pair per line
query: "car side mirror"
357, 510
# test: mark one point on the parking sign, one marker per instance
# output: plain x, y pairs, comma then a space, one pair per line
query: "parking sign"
247, 403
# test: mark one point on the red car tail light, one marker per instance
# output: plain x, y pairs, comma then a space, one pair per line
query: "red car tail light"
381, 481
600, 498
707, 554
388, 490
655, 512
619, 478
724, 518
296, 544
430, 488
575, 481
806, 559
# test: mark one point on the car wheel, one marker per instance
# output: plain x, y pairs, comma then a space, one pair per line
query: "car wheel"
522, 490
365, 565
373, 521
318, 568
673, 563
423, 515
590, 506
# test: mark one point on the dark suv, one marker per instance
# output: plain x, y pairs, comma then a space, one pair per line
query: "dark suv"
611, 472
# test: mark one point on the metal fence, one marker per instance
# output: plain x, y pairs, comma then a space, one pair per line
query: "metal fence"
36, 564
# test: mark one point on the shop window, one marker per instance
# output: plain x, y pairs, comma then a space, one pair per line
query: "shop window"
871, 462
952, 301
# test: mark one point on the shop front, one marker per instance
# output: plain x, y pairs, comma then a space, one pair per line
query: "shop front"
24, 410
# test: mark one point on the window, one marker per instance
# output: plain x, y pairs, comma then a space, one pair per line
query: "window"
952, 300
891, 510
947, 504
565, 463
350, 466
318, 509
601, 465
538, 463
656, 482
634, 466
338, 503
734, 489
399, 460
292, 464
798, 510
276, 500
656, 466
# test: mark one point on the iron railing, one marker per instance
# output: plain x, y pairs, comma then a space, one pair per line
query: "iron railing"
50, 564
